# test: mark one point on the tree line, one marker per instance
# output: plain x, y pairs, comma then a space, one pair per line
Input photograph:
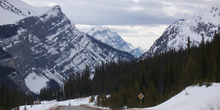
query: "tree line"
158, 78
12, 98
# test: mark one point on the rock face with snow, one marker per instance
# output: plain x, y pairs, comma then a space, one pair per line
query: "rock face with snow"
201, 25
106, 36
47, 47
14, 10
8, 73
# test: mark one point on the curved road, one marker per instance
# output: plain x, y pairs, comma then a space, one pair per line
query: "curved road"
74, 108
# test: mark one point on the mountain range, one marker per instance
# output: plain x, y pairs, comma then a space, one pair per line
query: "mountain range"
45, 46
202, 25
39, 47
113, 39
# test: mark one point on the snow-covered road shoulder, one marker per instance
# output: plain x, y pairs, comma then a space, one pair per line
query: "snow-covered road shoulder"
51, 105
48, 105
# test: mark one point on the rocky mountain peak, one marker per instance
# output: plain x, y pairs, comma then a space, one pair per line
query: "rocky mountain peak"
113, 39
203, 24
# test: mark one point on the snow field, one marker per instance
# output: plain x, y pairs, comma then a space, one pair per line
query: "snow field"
35, 82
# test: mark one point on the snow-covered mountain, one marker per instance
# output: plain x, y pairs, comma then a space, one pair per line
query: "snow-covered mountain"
106, 36
176, 35
46, 46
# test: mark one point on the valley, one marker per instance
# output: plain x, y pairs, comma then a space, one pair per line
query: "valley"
45, 57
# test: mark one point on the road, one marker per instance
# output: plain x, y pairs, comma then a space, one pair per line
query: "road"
75, 108
89, 108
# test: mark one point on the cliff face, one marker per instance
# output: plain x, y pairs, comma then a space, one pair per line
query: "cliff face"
6, 59
48, 47
8, 75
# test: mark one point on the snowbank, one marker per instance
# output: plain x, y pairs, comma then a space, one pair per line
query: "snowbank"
46, 105
193, 98
50, 105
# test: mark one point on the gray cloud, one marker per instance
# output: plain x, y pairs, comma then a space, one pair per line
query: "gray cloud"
139, 22
126, 12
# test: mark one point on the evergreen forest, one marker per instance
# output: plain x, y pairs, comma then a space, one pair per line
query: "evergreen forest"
158, 78
11, 98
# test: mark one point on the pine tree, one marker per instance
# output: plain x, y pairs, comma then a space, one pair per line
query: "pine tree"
189, 73
188, 43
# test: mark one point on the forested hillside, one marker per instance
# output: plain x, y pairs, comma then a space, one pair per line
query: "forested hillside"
158, 78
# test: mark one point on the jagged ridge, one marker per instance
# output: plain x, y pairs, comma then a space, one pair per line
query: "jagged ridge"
113, 39
203, 24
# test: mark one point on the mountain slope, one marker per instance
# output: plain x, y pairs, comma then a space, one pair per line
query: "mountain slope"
14, 10
176, 35
48, 47
9, 77
106, 36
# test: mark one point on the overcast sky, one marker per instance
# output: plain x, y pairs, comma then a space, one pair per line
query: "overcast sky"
139, 22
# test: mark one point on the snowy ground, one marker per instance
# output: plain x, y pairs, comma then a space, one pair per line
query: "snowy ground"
50, 105
46, 105
192, 98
